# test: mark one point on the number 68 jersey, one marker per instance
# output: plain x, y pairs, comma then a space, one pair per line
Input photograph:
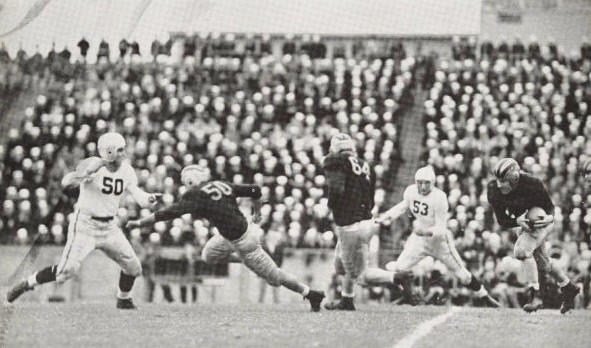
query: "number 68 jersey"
425, 208
101, 195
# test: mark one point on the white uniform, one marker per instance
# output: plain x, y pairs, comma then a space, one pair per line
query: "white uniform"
441, 244
94, 226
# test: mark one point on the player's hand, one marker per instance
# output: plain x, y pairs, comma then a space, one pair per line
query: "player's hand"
547, 220
94, 165
154, 198
523, 222
133, 224
382, 220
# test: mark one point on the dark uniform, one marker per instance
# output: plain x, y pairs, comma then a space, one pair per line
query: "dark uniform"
216, 202
530, 192
351, 188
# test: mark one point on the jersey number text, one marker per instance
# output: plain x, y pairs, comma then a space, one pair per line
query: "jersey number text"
420, 208
358, 169
217, 189
112, 186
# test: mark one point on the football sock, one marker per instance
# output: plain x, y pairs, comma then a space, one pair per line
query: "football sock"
123, 295
125, 282
306, 290
45, 275
344, 294
564, 283
474, 284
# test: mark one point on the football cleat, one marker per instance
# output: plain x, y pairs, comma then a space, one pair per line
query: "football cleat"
315, 298
125, 303
489, 301
569, 292
345, 304
17, 290
535, 302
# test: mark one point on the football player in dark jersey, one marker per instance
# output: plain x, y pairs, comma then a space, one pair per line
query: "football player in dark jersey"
351, 188
512, 193
216, 202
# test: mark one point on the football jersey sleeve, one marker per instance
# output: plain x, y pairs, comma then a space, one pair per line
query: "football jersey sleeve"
407, 194
252, 191
181, 207
496, 203
441, 208
335, 177
131, 176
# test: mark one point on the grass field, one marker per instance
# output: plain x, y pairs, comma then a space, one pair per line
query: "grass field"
158, 325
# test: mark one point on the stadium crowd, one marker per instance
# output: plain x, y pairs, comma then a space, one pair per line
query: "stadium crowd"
255, 117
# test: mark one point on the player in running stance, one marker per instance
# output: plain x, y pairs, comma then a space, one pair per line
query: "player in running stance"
430, 237
351, 190
216, 202
102, 182
512, 193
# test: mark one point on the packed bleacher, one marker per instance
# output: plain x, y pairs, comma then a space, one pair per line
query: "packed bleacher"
249, 116
528, 103
252, 116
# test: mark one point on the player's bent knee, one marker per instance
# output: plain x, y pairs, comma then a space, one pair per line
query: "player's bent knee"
67, 272
464, 276
134, 269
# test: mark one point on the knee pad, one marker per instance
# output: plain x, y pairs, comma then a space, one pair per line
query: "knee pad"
464, 276
67, 272
211, 256
134, 268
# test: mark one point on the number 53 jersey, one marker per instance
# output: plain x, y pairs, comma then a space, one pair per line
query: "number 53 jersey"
101, 195
424, 208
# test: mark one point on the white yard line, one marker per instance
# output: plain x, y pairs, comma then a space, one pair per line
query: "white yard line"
423, 330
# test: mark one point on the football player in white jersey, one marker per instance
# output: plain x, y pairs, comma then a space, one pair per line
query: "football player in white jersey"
430, 236
102, 181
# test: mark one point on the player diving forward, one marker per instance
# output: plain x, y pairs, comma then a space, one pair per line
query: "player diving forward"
102, 182
511, 195
351, 189
430, 237
216, 202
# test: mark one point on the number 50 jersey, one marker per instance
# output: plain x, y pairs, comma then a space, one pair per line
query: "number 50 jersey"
216, 202
101, 195
351, 188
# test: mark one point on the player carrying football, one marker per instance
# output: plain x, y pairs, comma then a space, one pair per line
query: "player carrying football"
102, 182
351, 190
512, 193
216, 202
430, 237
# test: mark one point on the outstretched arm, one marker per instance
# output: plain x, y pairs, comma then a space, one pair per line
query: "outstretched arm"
170, 212
144, 199
84, 171
393, 213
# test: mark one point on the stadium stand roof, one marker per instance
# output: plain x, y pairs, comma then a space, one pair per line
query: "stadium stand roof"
32, 22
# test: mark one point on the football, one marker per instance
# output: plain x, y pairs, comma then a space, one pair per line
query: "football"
535, 214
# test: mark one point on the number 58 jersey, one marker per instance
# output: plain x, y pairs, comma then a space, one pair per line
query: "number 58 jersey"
424, 208
101, 195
